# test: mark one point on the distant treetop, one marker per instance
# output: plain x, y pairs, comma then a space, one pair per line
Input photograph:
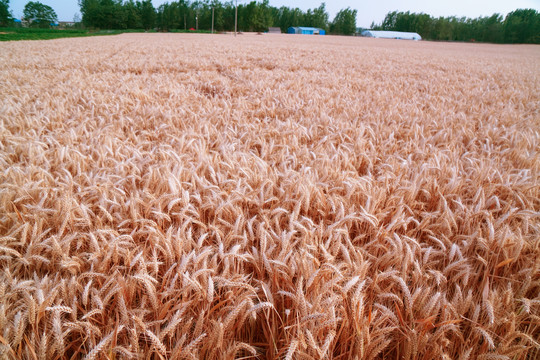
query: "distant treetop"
519, 26
39, 14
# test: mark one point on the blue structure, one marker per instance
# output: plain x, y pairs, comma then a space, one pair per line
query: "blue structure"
305, 30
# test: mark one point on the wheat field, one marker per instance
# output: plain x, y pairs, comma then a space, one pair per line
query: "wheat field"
169, 196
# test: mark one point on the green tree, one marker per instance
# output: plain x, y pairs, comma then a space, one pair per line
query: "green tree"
522, 26
5, 15
166, 17
345, 22
103, 14
132, 16
261, 17
89, 11
423, 24
176, 15
147, 13
492, 28
519, 26
219, 15
39, 14
320, 17
288, 17
255, 16
389, 22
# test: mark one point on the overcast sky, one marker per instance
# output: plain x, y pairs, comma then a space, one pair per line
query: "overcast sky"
368, 10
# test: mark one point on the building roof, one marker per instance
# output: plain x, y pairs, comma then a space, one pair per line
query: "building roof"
305, 30
308, 28
392, 34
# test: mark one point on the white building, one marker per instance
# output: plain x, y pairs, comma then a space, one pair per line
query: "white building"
391, 35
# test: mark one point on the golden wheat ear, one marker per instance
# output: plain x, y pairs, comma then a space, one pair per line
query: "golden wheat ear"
183, 196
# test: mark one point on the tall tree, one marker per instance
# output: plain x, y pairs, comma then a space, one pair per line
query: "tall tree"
39, 14
89, 10
175, 15
493, 30
5, 15
320, 17
345, 22
261, 17
103, 14
389, 22
522, 26
148, 14
219, 15
132, 15
288, 17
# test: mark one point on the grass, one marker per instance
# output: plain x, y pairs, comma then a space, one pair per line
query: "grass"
273, 197
14, 34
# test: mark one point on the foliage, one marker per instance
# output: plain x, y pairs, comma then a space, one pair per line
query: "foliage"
345, 22
520, 26
254, 16
39, 14
181, 14
148, 14
103, 14
5, 14
13, 34
174, 16
132, 16
287, 17
317, 18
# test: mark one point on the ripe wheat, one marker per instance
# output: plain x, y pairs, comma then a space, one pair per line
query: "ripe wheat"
273, 197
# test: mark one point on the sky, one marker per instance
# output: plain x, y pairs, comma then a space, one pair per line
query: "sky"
368, 10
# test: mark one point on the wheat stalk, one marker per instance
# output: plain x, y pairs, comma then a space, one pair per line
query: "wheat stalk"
281, 200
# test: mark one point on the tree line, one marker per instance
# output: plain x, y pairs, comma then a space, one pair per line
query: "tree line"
519, 26
184, 14
118, 14
35, 14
